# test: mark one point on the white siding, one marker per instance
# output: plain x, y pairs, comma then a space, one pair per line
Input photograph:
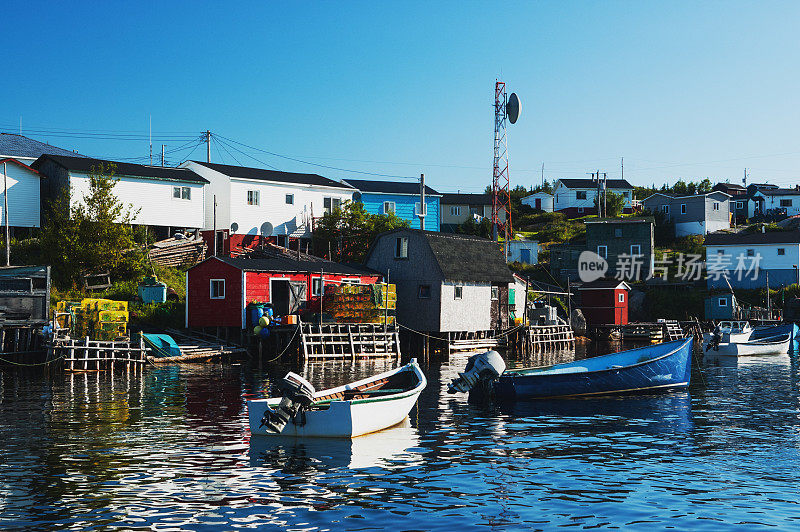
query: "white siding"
770, 260
547, 201
565, 198
152, 198
470, 313
23, 197
220, 187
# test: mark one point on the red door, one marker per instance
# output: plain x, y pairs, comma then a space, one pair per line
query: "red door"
539, 203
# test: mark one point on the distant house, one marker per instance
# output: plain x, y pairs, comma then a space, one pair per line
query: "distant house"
721, 307
540, 201
458, 208
524, 251
27, 150
24, 189
605, 302
402, 199
445, 282
777, 199
626, 243
740, 205
165, 199
575, 197
692, 215
756, 256
254, 202
219, 289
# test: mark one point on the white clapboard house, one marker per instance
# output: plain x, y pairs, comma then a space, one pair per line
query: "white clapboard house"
22, 184
255, 201
167, 199
576, 197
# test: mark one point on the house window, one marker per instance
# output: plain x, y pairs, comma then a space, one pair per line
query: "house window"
331, 204
424, 291
720, 252
716, 206
182, 193
580, 195
472, 210
418, 209
751, 252
621, 298
618, 232
455, 211
580, 210
289, 199
217, 288
626, 195
458, 292
683, 208
176, 192
665, 209
636, 249
252, 197
316, 286
722, 302
781, 251
388, 207
786, 203
602, 251
495, 293
401, 247
740, 205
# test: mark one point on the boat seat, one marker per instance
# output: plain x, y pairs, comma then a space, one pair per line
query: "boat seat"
380, 391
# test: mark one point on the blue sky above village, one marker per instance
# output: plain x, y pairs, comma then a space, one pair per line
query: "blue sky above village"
680, 90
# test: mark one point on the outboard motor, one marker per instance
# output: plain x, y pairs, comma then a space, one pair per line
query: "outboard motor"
298, 394
716, 338
483, 367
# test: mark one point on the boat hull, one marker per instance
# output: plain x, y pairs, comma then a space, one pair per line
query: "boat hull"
345, 418
670, 370
755, 348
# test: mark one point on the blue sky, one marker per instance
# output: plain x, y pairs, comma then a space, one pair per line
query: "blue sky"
680, 90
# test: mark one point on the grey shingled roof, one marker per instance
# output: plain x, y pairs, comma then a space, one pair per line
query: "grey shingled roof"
588, 183
779, 191
86, 164
466, 199
14, 145
772, 237
389, 187
277, 263
246, 172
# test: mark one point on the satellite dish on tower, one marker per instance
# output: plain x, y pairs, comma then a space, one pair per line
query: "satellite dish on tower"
512, 108
234, 227
266, 229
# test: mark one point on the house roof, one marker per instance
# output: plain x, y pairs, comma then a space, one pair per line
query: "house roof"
540, 193
733, 239
465, 199
730, 186
87, 164
605, 283
675, 196
464, 257
11, 160
389, 187
262, 174
779, 191
13, 145
589, 183
644, 219
284, 263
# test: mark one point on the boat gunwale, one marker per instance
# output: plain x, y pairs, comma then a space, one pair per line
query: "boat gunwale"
518, 372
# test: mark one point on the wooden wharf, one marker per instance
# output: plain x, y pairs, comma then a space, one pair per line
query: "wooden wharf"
196, 346
348, 341
98, 355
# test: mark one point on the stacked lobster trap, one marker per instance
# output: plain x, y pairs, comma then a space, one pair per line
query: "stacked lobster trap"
361, 303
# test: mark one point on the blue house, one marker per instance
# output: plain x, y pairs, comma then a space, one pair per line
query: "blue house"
383, 197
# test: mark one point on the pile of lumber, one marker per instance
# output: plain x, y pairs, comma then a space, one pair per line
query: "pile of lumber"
177, 252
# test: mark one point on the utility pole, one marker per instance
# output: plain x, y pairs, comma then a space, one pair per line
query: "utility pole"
162, 154
214, 247
605, 187
151, 140
208, 146
422, 209
542, 176
622, 167
5, 215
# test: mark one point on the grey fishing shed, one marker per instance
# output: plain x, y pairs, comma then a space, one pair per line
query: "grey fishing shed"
445, 282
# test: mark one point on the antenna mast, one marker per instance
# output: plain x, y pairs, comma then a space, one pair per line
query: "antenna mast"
501, 198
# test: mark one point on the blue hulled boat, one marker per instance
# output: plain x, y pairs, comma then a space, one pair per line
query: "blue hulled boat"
653, 368
759, 333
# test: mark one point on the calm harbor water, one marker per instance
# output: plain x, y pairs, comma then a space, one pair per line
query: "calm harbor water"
170, 451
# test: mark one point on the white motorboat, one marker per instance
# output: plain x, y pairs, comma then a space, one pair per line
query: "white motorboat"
775, 345
348, 411
730, 331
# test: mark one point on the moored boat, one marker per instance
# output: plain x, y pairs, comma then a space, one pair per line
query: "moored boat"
775, 345
348, 411
653, 368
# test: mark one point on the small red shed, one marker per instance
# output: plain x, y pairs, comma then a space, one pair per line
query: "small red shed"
605, 302
219, 289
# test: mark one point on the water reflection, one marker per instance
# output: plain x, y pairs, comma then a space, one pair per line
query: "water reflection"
170, 449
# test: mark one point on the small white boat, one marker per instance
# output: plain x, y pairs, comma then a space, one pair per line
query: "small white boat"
775, 345
731, 331
358, 408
